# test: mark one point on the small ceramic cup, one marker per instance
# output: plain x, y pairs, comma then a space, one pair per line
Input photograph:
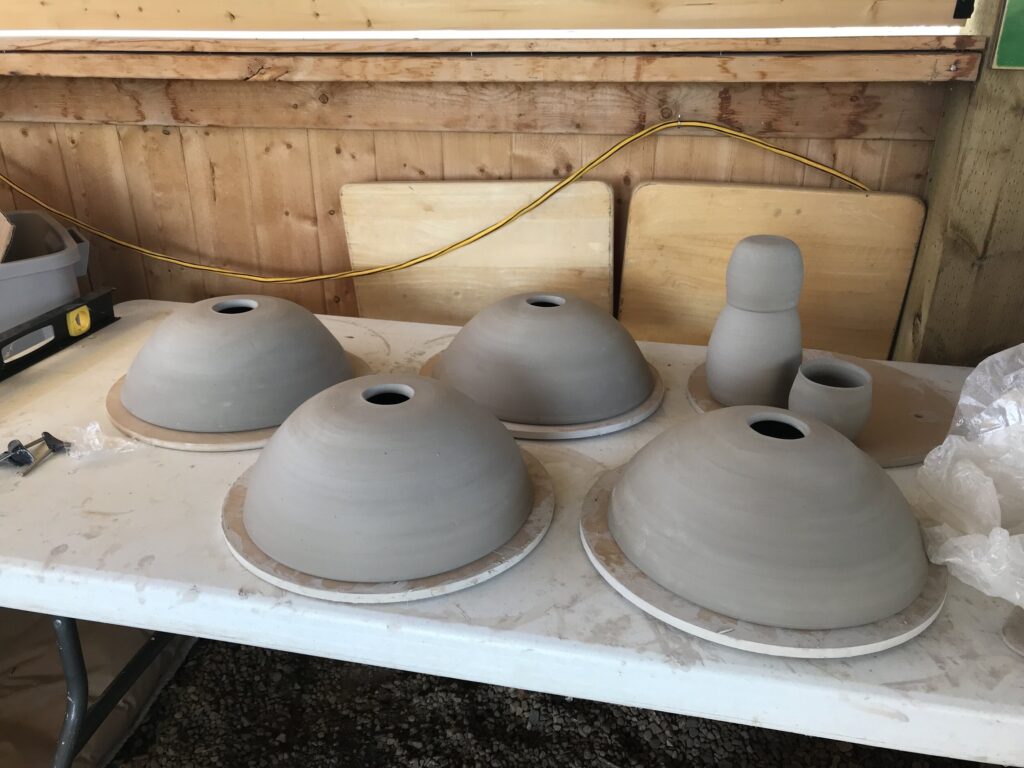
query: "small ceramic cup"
835, 392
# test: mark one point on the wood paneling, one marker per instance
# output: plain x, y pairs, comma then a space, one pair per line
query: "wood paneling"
477, 156
223, 202
284, 213
408, 156
32, 154
218, 185
246, 174
788, 110
965, 300
470, 14
921, 66
99, 195
505, 44
338, 157
154, 165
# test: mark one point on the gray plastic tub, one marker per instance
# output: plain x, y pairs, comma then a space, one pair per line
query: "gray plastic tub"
41, 267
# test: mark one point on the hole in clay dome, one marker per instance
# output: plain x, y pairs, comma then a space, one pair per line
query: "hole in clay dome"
388, 394
780, 430
545, 301
235, 306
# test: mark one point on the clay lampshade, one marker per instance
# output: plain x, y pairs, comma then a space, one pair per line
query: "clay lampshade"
767, 517
232, 364
386, 478
547, 359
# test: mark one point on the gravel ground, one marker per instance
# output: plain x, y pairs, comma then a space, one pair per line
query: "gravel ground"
232, 705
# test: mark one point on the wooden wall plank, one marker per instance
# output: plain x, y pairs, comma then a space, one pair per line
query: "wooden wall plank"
865, 161
965, 300
892, 166
539, 156
408, 156
338, 157
482, 156
470, 14
623, 171
32, 157
441, 44
906, 167
155, 170
824, 151
100, 195
796, 110
922, 66
218, 185
284, 212
217, 191
754, 166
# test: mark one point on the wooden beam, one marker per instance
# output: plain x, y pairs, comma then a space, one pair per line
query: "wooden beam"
965, 300
809, 110
253, 15
693, 68
654, 44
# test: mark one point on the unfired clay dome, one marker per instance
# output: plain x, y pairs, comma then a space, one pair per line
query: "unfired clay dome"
771, 518
232, 364
549, 359
387, 478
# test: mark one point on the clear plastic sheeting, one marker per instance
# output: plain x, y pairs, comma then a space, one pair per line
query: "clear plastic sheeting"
89, 443
972, 486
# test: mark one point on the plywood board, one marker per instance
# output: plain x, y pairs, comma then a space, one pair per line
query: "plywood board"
858, 251
6, 234
564, 245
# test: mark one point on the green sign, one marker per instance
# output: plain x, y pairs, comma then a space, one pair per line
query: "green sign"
1010, 47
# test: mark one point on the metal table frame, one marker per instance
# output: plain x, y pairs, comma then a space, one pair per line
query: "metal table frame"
80, 718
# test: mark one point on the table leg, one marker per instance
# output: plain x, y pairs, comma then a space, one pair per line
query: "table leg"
80, 719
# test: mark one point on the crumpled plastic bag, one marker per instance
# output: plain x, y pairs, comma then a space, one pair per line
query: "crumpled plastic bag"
89, 443
972, 486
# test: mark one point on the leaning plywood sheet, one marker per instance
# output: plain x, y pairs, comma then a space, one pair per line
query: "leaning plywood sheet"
564, 245
6, 234
858, 249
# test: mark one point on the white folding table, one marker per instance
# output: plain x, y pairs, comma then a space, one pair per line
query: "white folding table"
134, 539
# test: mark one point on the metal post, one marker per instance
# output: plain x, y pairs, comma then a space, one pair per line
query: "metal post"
81, 720
70, 649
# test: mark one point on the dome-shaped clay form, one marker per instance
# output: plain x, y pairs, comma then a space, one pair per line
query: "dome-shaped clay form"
770, 518
232, 364
547, 359
386, 478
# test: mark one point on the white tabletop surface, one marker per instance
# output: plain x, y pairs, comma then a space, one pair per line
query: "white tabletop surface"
134, 539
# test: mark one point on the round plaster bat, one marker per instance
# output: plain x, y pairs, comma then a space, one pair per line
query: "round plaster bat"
380, 485
231, 369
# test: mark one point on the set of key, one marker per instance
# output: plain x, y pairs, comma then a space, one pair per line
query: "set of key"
21, 454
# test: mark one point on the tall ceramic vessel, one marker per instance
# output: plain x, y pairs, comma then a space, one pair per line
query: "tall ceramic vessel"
755, 347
